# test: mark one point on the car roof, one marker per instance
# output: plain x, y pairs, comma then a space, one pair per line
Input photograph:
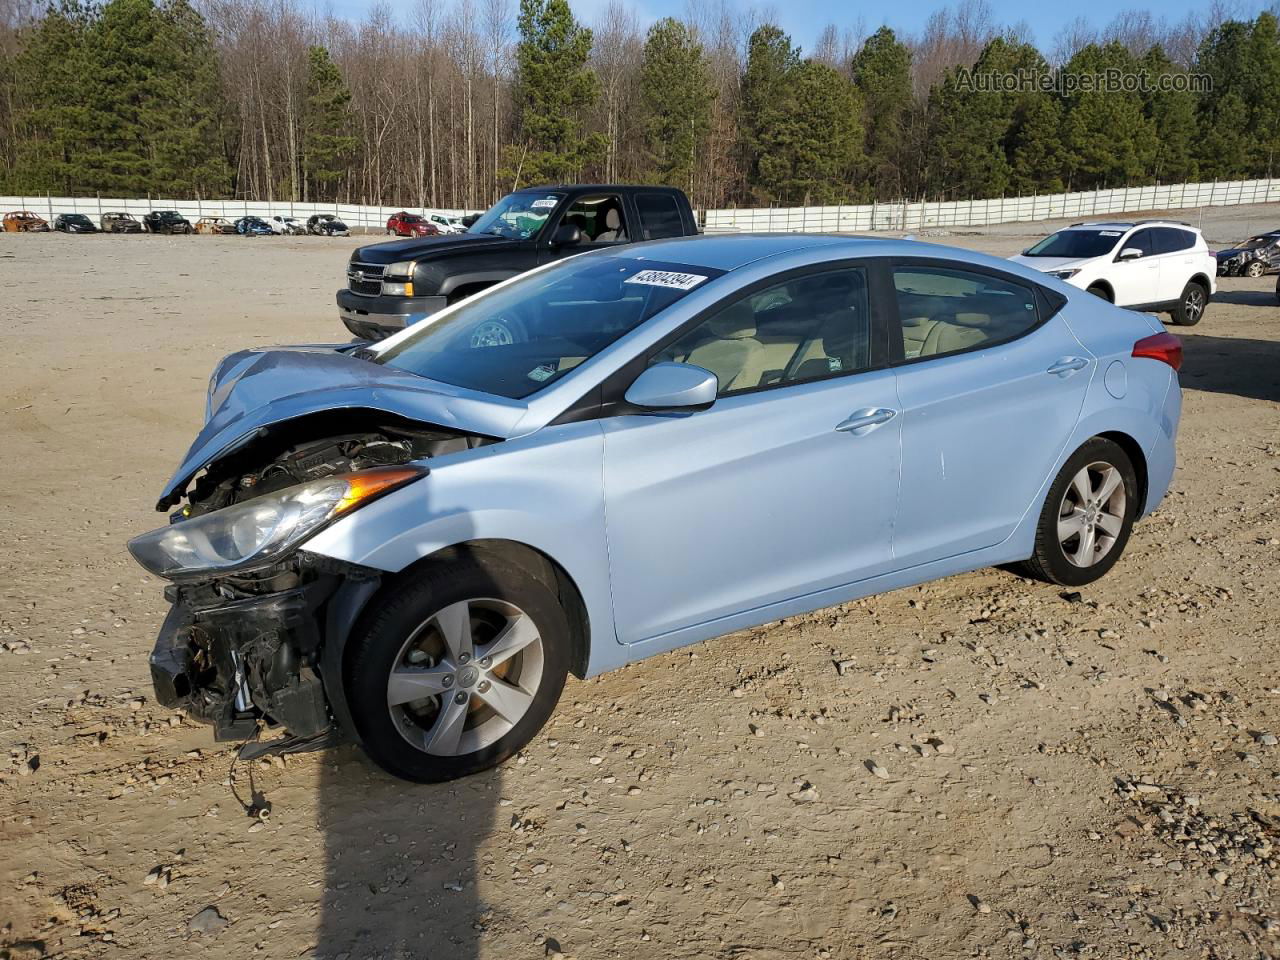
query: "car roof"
732, 251
596, 187
1129, 224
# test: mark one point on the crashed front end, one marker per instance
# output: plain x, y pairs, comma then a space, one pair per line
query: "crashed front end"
237, 653
294, 441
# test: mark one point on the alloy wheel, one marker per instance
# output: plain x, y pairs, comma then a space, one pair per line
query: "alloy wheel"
1092, 514
1193, 304
465, 677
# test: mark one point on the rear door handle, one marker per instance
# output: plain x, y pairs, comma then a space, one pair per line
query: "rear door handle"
863, 421
1067, 366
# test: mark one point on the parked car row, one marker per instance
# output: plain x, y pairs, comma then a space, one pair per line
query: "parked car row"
172, 222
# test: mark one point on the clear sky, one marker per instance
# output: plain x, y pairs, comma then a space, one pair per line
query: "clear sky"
804, 19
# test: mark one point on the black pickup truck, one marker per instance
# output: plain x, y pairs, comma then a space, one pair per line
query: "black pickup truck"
391, 285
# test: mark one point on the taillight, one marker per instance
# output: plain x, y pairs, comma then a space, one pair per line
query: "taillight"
1164, 347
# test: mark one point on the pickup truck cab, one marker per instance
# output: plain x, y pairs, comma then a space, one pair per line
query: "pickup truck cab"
392, 285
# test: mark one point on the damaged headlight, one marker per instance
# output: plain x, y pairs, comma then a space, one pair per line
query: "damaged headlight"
260, 530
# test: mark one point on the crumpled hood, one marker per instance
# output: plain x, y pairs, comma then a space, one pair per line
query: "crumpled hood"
1045, 264
253, 389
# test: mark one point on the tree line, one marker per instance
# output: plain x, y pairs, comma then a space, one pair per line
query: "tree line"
462, 100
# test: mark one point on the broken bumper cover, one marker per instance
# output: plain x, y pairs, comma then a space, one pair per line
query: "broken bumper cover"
233, 660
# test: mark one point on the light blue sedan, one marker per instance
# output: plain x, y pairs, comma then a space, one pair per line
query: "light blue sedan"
412, 544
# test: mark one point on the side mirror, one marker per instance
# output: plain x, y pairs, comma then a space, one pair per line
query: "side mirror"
1130, 253
566, 235
674, 386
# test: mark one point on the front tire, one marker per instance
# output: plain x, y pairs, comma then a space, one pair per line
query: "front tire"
456, 668
1087, 517
1191, 305
1255, 270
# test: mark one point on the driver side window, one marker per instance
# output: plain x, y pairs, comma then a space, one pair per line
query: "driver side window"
601, 219
808, 328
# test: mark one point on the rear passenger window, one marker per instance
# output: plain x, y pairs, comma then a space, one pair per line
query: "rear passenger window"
659, 216
808, 328
1173, 240
947, 311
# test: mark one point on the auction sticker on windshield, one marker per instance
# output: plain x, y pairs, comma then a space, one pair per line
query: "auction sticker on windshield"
545, 204
666, 278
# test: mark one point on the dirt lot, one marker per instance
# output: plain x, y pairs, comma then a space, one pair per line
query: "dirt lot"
995, 769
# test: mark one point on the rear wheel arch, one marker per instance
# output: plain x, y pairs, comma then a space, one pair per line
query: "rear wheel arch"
1105, 288
1137, 457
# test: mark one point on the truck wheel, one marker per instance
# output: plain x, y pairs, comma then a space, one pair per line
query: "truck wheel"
457, 668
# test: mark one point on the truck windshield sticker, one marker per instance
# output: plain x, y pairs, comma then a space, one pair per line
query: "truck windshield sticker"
666, 278
545, 204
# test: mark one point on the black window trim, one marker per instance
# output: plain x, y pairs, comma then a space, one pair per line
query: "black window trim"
607, 399
1048, 304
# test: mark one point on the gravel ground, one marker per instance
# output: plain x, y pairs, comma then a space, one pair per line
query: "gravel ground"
980, 767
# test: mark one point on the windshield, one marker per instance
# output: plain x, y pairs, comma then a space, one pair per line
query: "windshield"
75, 218
517, 216
523, 337
1077, 244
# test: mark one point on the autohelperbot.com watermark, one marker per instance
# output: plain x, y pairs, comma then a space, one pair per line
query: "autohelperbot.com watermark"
1067, 82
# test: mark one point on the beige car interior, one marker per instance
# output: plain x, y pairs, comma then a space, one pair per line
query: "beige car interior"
806, 329
938, 323
599, 219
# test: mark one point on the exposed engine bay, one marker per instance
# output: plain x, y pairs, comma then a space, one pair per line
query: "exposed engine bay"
263, 648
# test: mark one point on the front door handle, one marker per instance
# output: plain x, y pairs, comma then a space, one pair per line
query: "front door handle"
1067, 366
863, 421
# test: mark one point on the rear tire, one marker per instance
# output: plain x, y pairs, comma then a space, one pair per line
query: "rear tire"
1255, 270
1191, 305
433, 693
1087, 516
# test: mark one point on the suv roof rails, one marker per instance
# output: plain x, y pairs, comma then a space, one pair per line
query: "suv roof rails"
1128, 223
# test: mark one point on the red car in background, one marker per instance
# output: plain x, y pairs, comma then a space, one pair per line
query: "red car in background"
405, 224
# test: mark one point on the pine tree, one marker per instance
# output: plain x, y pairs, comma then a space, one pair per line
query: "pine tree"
51, 79
676, 90
881, 72
1035, 146
184, 117
1173, 113
553, 89
763, 109
328, 143
1108, 141
821, 140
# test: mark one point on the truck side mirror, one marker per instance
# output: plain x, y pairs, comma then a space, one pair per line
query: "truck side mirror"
566, 235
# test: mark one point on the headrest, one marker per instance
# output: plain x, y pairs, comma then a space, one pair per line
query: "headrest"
737, 322
612, 220
973, 319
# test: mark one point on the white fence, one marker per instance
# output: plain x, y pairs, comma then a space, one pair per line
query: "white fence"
353, 215
901, 217
905, 217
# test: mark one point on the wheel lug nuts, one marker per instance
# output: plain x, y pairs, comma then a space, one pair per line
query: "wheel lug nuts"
460, 697
486, 662
484, 685
464, 658
448, 680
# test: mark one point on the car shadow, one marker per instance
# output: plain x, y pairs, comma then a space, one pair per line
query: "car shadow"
402, 862
1244, 367
1248, 298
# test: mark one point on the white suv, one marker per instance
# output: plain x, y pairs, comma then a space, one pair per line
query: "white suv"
1159, 266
